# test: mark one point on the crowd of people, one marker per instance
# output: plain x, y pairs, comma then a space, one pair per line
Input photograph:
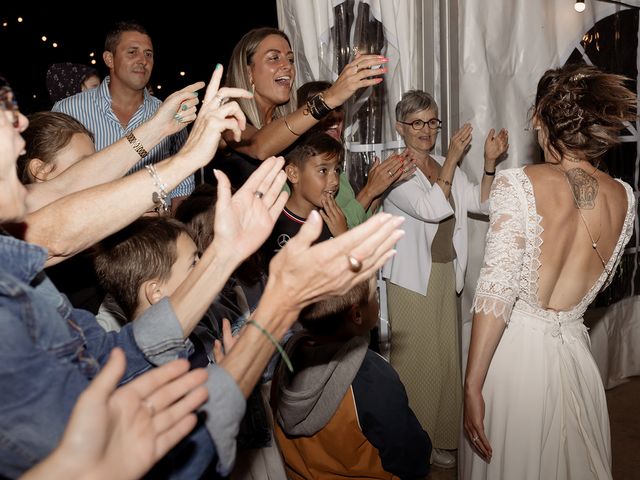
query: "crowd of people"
154, 328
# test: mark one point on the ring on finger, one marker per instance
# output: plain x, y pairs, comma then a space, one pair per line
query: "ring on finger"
390, 173
178, 118
355, 265
474, 439
258, 194
184, 107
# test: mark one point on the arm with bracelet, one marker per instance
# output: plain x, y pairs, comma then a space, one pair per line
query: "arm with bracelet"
272, 135
117, 159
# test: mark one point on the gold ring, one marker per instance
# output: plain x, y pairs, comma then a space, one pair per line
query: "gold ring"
390, 173
355, 265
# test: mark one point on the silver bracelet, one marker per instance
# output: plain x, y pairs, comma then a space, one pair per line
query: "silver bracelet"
158, 198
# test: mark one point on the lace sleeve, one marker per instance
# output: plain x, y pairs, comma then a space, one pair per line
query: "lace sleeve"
499, 280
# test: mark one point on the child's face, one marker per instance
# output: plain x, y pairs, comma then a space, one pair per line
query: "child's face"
319, 177
187, 258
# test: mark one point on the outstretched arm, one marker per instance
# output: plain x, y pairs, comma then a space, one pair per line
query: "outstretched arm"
77, 221
275, 136
118, 158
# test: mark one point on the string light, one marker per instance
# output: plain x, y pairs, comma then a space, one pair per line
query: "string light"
182, 74
44, 38
579, 6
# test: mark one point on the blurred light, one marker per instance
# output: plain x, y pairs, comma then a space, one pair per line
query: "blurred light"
34, 95
158, 87
182, 74
19, 19
93, 62
4, 24
54, 45
92, 54
44, 38
579, 6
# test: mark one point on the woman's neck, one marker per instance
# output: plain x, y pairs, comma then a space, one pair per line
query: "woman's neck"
266, 109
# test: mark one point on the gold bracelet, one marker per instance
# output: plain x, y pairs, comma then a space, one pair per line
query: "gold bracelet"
289, 126
446, 182
137, 146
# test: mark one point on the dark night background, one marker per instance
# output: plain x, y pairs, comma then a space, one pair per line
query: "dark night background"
184, 38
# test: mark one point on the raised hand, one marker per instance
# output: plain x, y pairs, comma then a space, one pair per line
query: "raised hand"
459, 143
244, 221
215, 117
178, 110
333, 216
301, 274
119, 433
354, 76
494, 147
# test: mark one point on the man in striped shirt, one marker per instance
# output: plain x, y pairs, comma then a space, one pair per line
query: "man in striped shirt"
122, 102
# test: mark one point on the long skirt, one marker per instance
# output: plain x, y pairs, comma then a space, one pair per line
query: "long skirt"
425, 353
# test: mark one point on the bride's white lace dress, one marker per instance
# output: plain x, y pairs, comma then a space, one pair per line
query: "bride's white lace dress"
546, 413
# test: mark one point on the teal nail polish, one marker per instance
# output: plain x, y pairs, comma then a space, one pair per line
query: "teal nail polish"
218, 66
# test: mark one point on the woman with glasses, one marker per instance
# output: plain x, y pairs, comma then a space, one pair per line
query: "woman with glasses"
429, 267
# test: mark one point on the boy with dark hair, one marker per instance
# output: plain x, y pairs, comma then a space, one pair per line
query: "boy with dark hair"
344, 412
313, 175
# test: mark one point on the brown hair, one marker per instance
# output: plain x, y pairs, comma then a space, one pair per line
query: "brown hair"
113, 35
47, 134
145, 249
312, 144
583, 110
237, 75
327, 317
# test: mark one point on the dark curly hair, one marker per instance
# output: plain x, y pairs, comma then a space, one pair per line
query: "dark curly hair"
582, 110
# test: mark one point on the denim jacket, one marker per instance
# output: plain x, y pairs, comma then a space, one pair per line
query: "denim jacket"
49, 352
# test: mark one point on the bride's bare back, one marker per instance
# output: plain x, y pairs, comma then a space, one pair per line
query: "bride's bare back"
569, 264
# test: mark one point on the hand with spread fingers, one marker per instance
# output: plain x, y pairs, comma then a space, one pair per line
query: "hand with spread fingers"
460, 143
244, 221
354, 76
381, 176
216, 117
119, 433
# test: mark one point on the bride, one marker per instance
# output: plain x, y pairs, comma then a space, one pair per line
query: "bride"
534, 404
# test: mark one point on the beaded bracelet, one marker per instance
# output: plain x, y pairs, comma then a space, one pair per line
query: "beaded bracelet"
275, 342
289, 126
446, 182
318, 107
137, 146
159, 198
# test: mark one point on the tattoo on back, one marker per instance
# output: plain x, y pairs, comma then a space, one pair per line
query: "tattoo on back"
584, 186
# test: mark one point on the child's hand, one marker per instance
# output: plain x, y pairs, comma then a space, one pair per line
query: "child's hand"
333, 216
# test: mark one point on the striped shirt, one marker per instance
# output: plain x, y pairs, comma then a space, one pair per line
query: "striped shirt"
92, 108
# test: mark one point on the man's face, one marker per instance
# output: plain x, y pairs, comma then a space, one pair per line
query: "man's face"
132, 62
319, 177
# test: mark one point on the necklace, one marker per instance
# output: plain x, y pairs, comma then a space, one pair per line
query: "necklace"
594, 242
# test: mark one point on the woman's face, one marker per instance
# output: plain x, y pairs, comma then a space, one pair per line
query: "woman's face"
272, 71
422, 140
12, 192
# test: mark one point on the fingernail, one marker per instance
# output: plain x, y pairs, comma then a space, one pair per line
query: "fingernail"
218, 66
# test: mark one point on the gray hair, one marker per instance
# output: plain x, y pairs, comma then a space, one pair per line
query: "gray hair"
414, 101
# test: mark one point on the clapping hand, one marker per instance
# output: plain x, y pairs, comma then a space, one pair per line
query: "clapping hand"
494, 147
460, 143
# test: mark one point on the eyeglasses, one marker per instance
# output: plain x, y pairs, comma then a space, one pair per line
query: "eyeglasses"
9, 103
434, 124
